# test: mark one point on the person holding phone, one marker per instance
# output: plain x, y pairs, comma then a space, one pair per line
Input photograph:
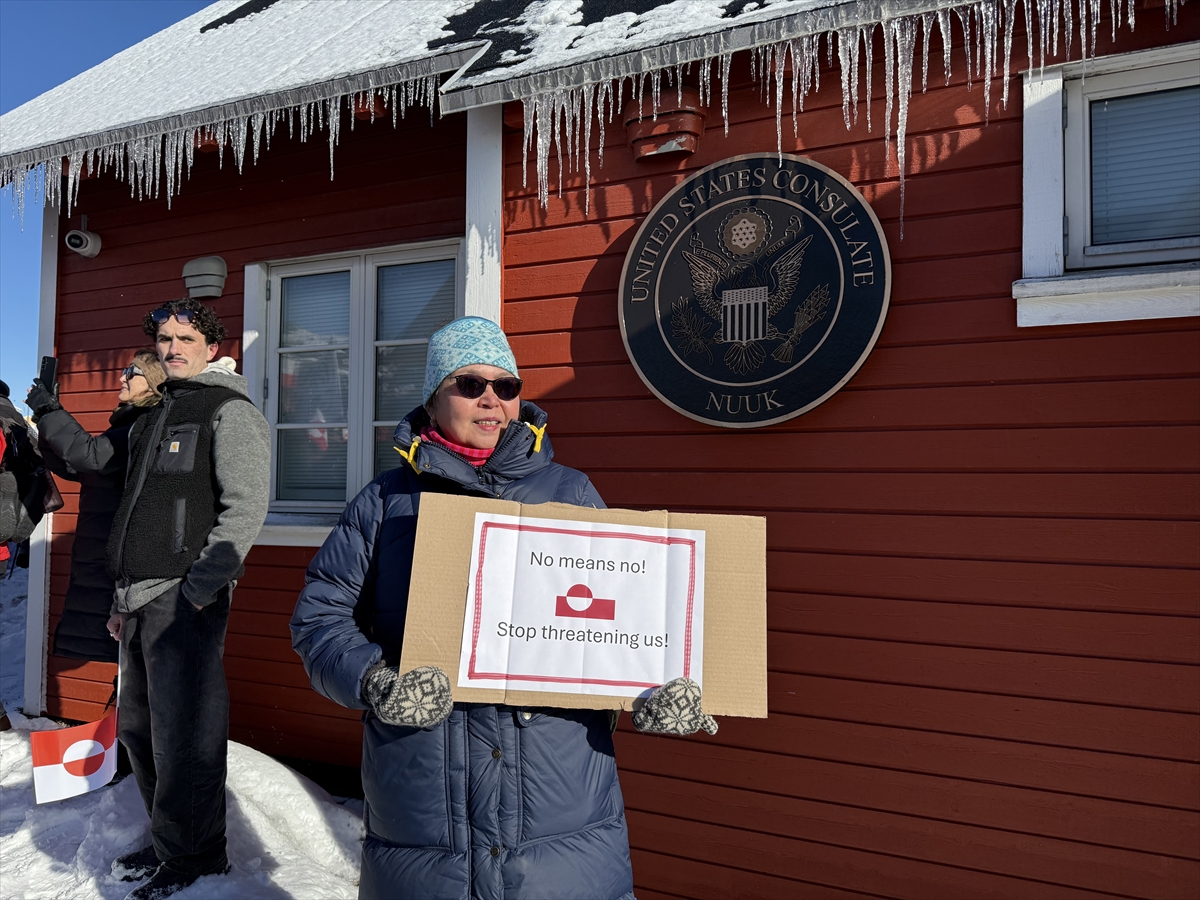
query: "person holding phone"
97, 462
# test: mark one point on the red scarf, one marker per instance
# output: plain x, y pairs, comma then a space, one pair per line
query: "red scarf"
474, 457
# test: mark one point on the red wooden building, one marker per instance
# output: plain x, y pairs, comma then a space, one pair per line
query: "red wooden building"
983, 551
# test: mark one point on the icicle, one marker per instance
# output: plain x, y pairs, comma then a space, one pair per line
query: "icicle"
528, 107
589, 96
964, 19
867, 32
889, 82
777, 73
926, 33
1010, 13
987, 38
943, 20
726, 63
334, 117
905, 31
847, 48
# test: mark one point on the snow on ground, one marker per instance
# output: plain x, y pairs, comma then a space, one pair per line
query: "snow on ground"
287, 836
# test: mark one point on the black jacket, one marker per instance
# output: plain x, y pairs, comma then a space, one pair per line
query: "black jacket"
98, 464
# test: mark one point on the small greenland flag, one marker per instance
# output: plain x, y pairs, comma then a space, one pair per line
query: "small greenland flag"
73, 761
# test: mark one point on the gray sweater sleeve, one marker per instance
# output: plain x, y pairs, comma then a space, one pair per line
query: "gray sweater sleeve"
241, 463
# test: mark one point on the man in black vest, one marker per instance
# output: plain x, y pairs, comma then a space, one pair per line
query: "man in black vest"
195, 499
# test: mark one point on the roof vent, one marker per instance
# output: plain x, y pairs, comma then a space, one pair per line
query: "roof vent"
205, 277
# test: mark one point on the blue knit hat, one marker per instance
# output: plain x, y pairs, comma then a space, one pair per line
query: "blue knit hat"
468, 341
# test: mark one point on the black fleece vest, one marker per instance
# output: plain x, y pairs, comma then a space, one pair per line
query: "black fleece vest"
170, 501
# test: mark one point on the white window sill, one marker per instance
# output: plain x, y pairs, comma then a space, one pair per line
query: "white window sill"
1150, 292
296, 529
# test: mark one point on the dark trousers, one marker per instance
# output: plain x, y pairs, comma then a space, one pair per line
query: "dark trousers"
174, 721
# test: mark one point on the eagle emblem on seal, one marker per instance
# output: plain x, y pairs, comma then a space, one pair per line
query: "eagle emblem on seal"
741, 289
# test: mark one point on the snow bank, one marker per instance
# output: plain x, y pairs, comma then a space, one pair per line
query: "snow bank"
287, 836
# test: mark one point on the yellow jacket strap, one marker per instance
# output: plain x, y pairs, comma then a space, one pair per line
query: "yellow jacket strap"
539, 433
411, 456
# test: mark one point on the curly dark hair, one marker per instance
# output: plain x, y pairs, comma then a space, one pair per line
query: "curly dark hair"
206, 321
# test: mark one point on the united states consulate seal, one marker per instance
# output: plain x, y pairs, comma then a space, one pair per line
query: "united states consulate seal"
754, 290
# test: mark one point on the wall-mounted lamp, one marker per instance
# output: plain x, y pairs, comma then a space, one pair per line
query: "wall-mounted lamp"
206, 142
675, 130
368, 107
205, 277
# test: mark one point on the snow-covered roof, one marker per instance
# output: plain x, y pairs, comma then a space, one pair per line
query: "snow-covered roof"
239, 67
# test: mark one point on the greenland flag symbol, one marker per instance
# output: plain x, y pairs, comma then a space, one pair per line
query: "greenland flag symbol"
579, 604
73, 761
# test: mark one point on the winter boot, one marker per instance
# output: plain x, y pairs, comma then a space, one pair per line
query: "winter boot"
136, 865
166, 881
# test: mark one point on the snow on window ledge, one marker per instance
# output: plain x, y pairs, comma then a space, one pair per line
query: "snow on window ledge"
296, 529
1151, 292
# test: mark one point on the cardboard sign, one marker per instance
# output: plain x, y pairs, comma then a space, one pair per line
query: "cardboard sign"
518, 605
581, 607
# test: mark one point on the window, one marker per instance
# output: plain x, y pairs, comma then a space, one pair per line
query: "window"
1132, 167
346, 342
1110, 225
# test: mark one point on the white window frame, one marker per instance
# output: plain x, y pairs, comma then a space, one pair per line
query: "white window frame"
478, 276
1116, 286
308, 519
1077, 148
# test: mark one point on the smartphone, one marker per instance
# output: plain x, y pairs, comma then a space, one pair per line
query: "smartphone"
49, 372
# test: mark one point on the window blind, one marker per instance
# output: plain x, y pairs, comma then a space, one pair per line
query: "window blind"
316, 310
314, 387
412, 301
1146, 166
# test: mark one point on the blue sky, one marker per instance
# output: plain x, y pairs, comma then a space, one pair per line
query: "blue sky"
47, 42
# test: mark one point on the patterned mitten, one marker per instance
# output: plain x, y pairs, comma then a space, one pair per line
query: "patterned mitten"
674, 708
417, 699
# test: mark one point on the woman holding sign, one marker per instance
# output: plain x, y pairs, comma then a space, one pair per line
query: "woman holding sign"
466, 799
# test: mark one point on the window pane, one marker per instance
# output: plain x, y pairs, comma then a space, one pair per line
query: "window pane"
386, 456
316, 310
414, 300
312, 464
1145, 166
313, 386
399, 378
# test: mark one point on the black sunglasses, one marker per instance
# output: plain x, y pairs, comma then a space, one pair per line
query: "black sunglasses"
161, 315
130, 370
472, 386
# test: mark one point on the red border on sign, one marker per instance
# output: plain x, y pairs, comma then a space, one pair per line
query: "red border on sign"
472, 674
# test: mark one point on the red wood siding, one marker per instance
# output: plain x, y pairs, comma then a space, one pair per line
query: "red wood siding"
391, 187
982, 554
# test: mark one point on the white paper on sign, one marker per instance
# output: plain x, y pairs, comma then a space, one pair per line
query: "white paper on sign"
582, 607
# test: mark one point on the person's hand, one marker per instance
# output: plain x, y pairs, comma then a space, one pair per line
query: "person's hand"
417, 699
42, 399
674, 708
116, 624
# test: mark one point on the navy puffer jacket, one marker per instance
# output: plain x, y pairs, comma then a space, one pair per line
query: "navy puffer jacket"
496, 802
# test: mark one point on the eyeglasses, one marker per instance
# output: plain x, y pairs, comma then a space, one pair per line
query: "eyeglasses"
473, 386
130, 370
162, 315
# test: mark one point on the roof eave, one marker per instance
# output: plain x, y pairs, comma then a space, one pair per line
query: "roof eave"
844, 15
450, 59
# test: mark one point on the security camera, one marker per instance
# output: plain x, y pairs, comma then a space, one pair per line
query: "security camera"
85, 243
